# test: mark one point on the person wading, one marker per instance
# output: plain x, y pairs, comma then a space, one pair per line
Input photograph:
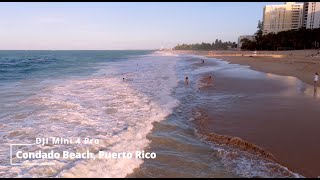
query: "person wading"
315, 79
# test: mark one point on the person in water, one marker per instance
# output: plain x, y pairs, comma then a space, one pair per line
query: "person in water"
122, 78
202, 61
187, 80
210, 80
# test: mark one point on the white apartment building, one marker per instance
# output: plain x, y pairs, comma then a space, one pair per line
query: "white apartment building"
311, 15
284, 17
250, 37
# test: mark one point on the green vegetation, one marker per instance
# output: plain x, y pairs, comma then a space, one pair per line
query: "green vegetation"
285, 40
217, 45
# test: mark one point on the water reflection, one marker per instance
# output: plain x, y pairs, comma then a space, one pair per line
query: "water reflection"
289, 80
295, 85
311, 90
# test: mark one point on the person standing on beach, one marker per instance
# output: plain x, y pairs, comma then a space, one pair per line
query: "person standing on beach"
315, 79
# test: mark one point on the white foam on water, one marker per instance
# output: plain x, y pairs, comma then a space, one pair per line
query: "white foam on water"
118, 112
246, 164
164, 53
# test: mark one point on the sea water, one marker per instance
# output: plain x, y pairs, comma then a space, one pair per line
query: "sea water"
127, 101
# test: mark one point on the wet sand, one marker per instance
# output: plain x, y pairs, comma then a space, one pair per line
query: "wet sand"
249, 114
277, 113
180, 141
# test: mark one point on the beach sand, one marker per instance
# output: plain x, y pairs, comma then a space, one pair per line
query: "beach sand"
298, 63
286, 126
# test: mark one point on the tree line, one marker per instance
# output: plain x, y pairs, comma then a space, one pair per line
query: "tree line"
284, 40
217, 45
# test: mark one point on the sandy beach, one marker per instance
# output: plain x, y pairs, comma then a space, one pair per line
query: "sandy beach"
282, 125
298, 63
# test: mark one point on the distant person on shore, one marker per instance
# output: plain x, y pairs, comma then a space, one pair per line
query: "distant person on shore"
315, 79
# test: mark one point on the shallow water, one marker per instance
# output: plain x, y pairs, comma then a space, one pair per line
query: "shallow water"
83, 94
181, 142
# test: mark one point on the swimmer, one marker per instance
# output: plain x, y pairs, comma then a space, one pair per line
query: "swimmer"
122, 78
210, 81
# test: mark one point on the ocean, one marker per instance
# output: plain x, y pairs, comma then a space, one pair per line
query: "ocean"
129, 101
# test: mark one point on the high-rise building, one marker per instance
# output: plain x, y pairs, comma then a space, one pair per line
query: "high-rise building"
249, 37
277, 18
311, 15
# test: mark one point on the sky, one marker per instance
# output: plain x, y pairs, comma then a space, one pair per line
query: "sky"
123, 25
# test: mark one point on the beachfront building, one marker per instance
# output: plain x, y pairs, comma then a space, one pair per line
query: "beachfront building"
284, 17
311, 15
249, 37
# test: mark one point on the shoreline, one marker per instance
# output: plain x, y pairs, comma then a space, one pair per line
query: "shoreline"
261, 123
296, 63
